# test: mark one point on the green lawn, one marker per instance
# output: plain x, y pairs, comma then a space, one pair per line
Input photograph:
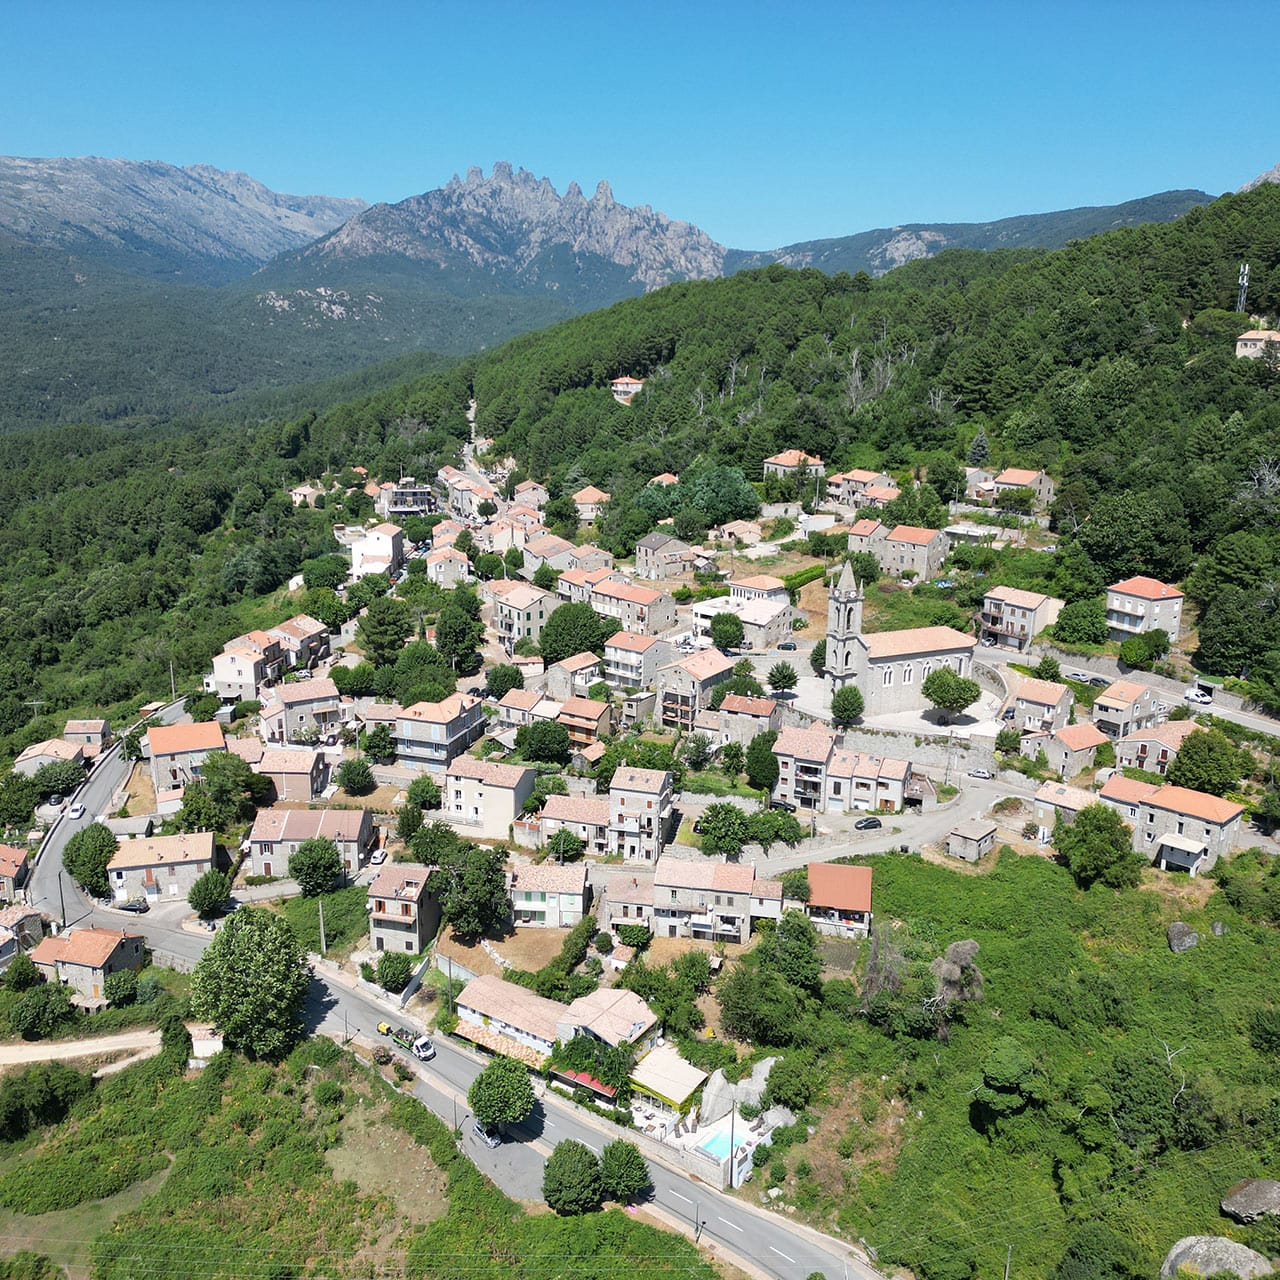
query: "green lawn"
711, 782
345, 919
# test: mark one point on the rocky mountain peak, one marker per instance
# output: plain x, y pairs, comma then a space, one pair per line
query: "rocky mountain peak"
1271, 175
513, 218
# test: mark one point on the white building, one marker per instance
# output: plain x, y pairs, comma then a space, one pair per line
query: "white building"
1138, 605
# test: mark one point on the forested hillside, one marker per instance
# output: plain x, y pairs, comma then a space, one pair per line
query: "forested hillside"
1110, 362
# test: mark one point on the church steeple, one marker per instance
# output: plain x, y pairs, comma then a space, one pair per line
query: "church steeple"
844, 625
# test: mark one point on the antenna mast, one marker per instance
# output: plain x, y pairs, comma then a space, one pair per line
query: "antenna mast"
1244, 286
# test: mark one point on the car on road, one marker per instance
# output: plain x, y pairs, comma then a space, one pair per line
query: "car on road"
423, 1049
787, 644
137, 905
981, 773
487, 1136
76, 810
785, 805
868, 824
1198, 696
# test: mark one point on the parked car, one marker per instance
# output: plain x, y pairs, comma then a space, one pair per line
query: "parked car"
487, 1136
76, 810
55, 799
1008, 713
868, 824
981, 773
1199, 696
1099, 682
136, 905
1082, 676
785, 805
787, 644
378, 857
988, 641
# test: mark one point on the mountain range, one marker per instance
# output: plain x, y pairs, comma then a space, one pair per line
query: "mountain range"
142, 287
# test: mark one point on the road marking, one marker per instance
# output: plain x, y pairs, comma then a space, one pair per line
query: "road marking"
727, 1223
678, 1196
782, 1255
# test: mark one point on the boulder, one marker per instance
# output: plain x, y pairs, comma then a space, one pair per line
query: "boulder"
719, 1096
1182, 937
1208, 1255
1247, 1201
1218, 928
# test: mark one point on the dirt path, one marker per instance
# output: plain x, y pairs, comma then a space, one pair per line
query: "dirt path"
47, 1051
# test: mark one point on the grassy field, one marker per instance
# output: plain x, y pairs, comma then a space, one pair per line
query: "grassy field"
1142, 1097
312, 1168
345, 919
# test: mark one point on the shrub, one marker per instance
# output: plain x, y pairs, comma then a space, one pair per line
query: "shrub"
22, 974
121, 988
355, 777
603, 942
394, 970
634, 935
328, 1093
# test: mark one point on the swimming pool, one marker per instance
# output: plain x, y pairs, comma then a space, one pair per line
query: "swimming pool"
717, 1146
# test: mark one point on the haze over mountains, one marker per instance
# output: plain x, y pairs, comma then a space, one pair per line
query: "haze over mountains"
144, 287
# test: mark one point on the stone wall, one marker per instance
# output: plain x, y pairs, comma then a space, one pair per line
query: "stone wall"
923, 752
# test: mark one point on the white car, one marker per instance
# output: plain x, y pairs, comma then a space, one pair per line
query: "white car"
76, 810
981, 773
1197, 695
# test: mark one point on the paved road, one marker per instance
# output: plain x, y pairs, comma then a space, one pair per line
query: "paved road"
45, 892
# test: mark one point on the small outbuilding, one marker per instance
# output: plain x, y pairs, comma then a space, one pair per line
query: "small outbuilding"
972, 839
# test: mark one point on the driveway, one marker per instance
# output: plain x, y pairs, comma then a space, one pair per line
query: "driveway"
53, 1050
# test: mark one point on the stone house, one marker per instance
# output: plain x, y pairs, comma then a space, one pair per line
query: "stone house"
1138, 605
93, 737
631, 661
1126, 706
816, 775
52, 751
1069, 750
85, 958
743, 718
525, 706
660, 555
839, 899
485, 797
573, 676
297, 773
628, 899
531, 493
1153, 749
13, 871
547, 896
300, 709
912, 552
1012, 478
574, 586
589, 502
1040, 706
586, 719
160, 866
866, 535
428, 735
1013, 618
586, 817
641, 803
639, 609
178, 751
277, 835
790, 461
246, 666
685, 686
448, 568
304, 640
712, 901
403, 914
1176, 828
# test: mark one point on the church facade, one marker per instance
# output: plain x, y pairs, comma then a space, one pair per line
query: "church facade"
889, 668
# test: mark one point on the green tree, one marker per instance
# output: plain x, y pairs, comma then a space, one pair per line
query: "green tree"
121, 988
979, 449
379, 745
571, 1181
423, 792
501, 679
513, 561
328, 571
501, 1094
251, 982
791, 950
355, 777
1097, 848
1009, 1084
547, 741
58, 777
40, 1011
564, 846
818, 658
1082, 622
234, 789
545, 577
727, 631
470, 883
795, 884
732, 758
949, 692
1047, 669
847, 705
457, 634
1009, 740
1209, 761
724, 830
209, 894
489, 565
697, 751
623, 1170
757, 1005
86, 856
383, 629
394, 970
762, 764
793, 1080
315, 866
782, 676
408, 822
767, 827
574, 628
22, 974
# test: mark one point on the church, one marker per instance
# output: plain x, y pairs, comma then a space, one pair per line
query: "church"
887, 667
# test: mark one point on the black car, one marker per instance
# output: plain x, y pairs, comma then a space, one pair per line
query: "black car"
785, 805
137, 905
1100, 682
787, 644
868, 824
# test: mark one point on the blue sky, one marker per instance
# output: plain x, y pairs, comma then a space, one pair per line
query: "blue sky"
762, 123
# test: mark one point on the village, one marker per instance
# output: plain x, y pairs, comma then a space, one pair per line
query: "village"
610, 781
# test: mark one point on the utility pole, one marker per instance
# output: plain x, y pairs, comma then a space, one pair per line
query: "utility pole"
323, 948
61, 900
173, 687
1244, 286
1008, 1257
